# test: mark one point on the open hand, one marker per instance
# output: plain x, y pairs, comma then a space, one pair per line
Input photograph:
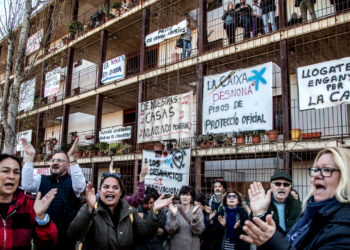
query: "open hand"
41, 205
111, 170
161, 203
222, 221
212, 215
194, 212
237, 224
90, 196
73, 150
144, 172
207, 209
173, 209
259, 201
29, 149
261, 232
141, 215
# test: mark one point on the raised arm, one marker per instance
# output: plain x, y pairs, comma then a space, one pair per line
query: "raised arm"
137, 198
29, 182
78, 179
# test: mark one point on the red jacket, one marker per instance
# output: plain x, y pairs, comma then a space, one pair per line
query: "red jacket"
19, 227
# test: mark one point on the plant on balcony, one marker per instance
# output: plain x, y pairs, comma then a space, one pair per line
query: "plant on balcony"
116, 6
65, 40
39, 157
49, 143
240, 137
47, 157
75, 27
170, 144
114, 147
183, 145
54, 140
74, 135
40, 143
65, 147
80, 150
102, 146
106, 8
273, 135
90, 149
126, 148
228, 140
218, 139
256, 135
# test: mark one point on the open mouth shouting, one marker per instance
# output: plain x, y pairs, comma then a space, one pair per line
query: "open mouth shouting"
110, 197
9, 185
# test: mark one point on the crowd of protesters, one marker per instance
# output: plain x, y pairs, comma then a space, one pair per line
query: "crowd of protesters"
269, 219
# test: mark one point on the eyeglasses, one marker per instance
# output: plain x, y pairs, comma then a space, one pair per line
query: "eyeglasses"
231, 196
58, 160
115, 175
325, 172
278, 184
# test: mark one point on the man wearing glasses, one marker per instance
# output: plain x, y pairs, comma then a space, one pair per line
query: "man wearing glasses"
285, 208
65, 205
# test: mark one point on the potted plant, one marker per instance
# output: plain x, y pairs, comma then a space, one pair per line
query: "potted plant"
74, 27
89, 137
295, 133
106, 8
65, 40
273, 135
65, 147
256, 135
201, 140
39, 157
158, 146
47, 157
228, 140
40, 143
116, 6
80, 151
311, 136
183, 145
102, 146
74, 135
90, 150
54, 141
218, 139
50, 144
240, 137
110, 153
126, 148
114, 147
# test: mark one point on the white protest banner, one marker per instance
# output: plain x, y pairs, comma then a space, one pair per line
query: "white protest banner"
33, 42
324, 85
23, 134
238, 100
168, 170
115, 134
52, 82
167, 33
113, 70
165, 118
26, 95
41, 171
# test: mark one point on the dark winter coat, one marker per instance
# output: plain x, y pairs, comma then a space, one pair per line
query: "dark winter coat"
103, 234
219, 231
268, 6
292, 211
328, 230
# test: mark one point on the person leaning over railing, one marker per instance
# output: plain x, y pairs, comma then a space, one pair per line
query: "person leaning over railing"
111, 223
325, 221
22, 219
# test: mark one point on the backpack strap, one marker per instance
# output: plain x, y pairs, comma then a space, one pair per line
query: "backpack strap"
184, 215
131, 216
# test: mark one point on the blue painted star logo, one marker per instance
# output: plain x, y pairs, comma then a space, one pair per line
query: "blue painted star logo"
168, 161
258, 78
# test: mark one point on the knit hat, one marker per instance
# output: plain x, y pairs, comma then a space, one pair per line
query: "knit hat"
281, 175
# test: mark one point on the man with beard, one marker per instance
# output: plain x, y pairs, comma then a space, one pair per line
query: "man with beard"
285, 208
220, 187
65, 205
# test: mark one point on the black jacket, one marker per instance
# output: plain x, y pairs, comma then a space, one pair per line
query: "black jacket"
297, 3
219, 232
268, 6
328, 230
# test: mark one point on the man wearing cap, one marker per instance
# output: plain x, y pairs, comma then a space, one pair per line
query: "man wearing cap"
285, 208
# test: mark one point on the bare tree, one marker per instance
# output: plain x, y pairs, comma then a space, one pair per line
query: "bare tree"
16, 22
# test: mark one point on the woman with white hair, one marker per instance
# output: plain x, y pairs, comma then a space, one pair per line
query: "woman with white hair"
325, 220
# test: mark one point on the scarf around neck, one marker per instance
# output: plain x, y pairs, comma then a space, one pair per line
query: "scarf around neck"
230, 223
300, 229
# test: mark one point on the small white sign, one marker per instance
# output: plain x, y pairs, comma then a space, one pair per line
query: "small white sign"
168, 170
52, 82
113, 70
115, 134
26, 95
25, 135
324, 85
167, 33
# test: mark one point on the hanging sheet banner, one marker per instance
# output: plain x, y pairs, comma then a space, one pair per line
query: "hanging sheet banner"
26, 135
52, 82
165, 118
33, 42
238, 100
26, 95
168, 170
115, 134
324, 85
167, 33
113, 70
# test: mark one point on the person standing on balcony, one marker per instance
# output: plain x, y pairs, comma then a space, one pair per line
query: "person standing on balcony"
304, 6
65, 205
245, 15
268, 11
286, 209
256, 15
294, 20
229, 23
187, 39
